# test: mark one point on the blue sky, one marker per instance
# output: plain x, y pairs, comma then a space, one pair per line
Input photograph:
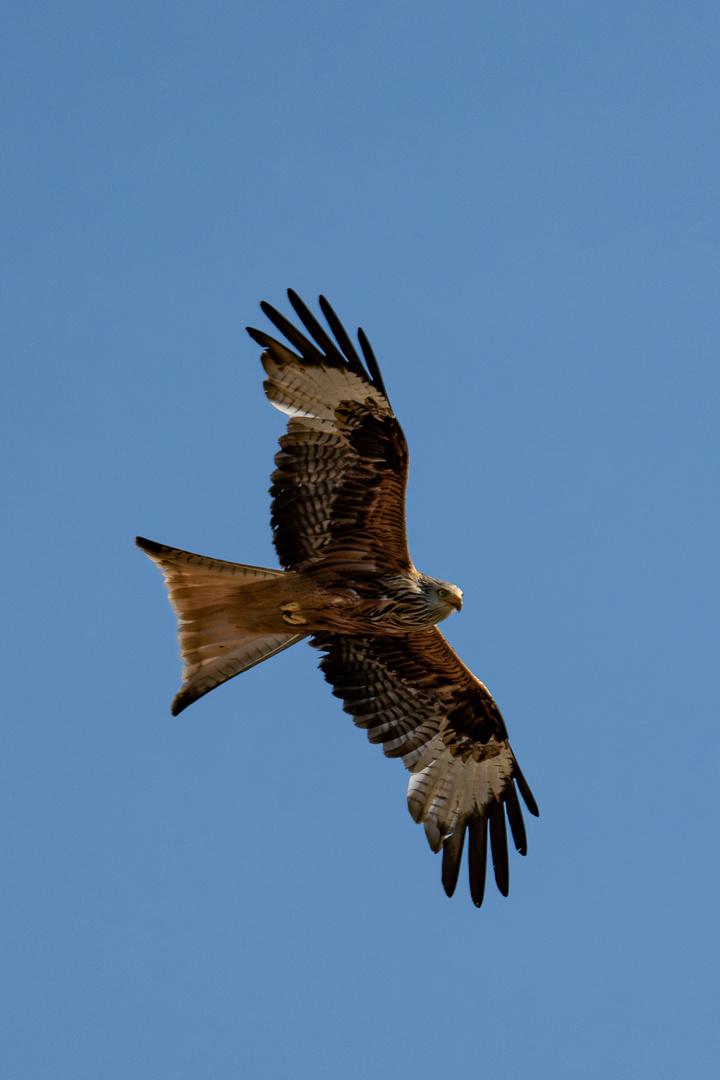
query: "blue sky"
519, 204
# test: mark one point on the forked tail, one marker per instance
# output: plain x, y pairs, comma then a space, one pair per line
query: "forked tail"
229, 616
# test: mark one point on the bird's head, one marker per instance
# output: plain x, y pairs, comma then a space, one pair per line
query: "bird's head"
442, 597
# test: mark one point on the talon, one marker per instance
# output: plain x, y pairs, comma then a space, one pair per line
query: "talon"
289, 614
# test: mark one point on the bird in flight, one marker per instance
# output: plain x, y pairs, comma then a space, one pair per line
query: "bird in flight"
348, 583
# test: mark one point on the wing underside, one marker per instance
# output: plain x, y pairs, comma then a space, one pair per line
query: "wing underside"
416, 698
339, 484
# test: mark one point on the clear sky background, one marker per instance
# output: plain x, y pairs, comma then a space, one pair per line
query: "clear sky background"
518, 201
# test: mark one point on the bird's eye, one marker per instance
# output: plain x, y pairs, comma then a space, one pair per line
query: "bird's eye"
442, 593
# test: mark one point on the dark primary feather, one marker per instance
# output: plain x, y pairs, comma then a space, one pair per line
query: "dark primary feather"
344, 341
264, 340
477, 858
498, 846
517, 825
318, 332
306, 348
370, 360
452, 857
526, 793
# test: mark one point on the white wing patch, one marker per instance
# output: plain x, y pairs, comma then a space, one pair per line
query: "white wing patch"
315, 392
444, 790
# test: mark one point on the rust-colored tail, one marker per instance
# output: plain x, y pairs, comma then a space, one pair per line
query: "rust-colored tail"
229, 616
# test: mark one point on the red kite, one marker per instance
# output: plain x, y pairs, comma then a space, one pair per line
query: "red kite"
348, 583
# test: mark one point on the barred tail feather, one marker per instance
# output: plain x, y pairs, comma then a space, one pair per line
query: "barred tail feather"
229, 616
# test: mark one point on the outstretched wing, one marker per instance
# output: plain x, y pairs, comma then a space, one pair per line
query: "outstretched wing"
339, 486
416, 697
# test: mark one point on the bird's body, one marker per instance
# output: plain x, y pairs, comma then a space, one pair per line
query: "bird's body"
348, 583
